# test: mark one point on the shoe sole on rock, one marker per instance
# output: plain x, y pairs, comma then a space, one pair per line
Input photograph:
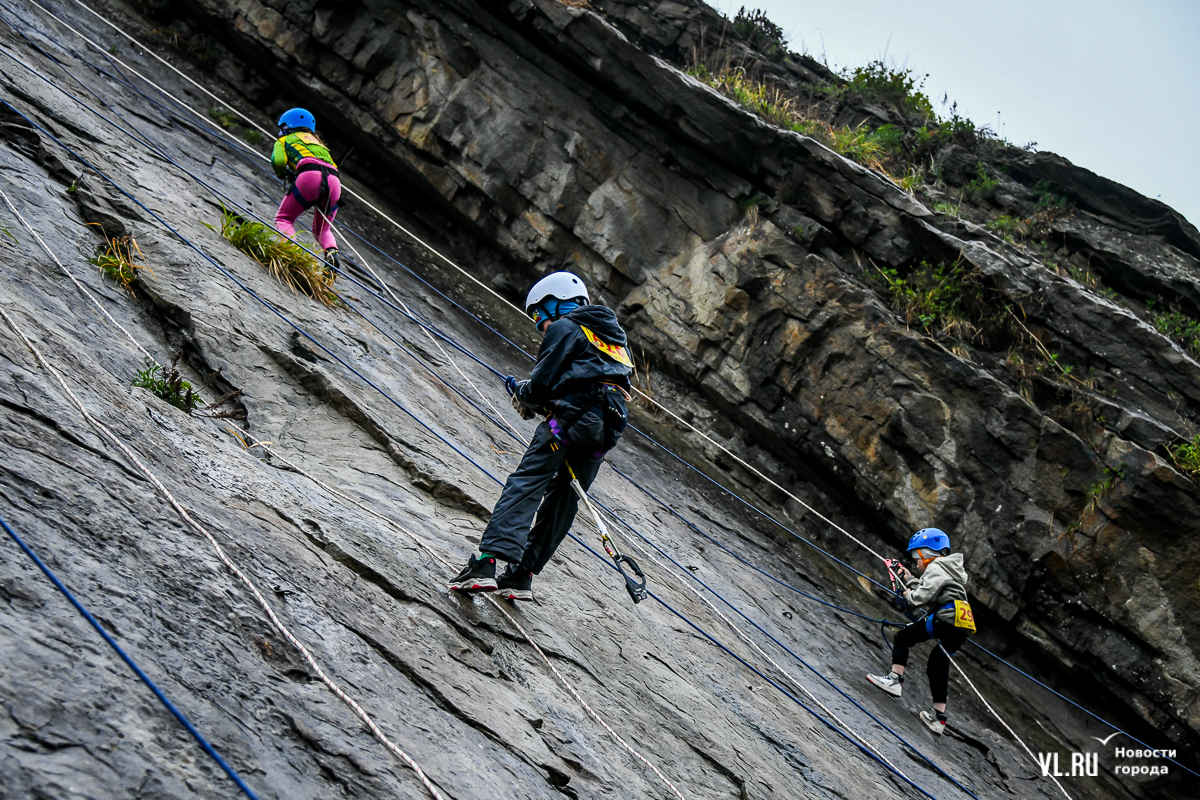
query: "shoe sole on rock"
517, 594
937, 727
474, 585
894, 691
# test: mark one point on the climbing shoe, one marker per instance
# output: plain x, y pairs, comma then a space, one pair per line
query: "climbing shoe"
891, 683
332, 258
514, 585
479, 575
935, 722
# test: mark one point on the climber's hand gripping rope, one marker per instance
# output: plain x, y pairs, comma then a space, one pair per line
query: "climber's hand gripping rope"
636, 588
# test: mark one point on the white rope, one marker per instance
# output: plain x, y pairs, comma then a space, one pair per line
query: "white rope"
78, 285
495, 603
279, 626
988, 705
425, 245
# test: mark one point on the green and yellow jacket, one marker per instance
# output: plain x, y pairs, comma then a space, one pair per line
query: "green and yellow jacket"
294, 146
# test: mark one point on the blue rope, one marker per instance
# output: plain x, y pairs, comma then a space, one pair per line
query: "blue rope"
428, 326
208, 748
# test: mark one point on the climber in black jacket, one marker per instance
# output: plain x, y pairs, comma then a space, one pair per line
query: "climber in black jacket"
580, 383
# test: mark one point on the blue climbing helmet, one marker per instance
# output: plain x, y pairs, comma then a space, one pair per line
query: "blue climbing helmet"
297, 118
931, 539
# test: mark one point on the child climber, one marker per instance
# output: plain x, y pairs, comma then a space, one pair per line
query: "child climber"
580, 383
302, 158
942, 591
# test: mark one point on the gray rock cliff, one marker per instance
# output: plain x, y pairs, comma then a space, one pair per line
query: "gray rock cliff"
519, 138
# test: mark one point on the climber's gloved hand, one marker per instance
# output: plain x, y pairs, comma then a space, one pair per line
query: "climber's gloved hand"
510, 386
525, 411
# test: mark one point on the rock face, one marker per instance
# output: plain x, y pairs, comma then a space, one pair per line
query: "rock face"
523, 137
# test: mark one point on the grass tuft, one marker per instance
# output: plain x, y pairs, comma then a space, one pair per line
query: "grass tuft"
1186, 455
290, 263
1181, 328
115, 258
169, 386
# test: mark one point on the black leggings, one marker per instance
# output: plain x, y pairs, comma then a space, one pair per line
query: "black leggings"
938, 666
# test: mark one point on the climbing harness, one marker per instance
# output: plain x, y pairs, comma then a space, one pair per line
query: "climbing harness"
636, 588
199, 737
321, 201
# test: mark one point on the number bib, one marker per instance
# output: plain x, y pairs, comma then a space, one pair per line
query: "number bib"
613, 351
963, 618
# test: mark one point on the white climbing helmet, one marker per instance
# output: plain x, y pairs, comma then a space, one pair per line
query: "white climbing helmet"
560, 286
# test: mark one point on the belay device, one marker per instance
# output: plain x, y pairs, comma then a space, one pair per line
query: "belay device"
636, 588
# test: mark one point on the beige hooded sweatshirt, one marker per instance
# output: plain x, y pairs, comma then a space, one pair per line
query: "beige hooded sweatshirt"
944, 581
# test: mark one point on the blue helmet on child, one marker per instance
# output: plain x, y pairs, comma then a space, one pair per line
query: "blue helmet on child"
297, 118
931, 539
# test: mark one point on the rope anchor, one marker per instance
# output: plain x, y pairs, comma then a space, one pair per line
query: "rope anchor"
636, 588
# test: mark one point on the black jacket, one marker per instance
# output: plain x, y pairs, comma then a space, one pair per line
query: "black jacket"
568, 363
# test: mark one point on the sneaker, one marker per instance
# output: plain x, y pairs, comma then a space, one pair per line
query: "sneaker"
935, 722
514, 585
891, 683
479, 575
332, 258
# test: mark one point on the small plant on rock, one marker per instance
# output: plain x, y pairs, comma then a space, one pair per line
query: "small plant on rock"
169, 385
1043, 192
899, 88
115, 258
1186, 455
760, 32
290, 263
982, 185
937, 298
1181, 328
225, 118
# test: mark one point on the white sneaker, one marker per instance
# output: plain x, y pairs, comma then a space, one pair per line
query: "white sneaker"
891, 683
933, 723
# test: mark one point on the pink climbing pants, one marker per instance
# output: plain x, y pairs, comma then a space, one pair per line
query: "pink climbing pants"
316, 190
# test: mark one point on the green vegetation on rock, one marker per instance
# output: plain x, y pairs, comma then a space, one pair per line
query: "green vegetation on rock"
115, 258
1180, 327
169, 386
290, 263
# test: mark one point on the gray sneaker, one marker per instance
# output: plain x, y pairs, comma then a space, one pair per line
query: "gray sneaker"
479, 575
514, 585
891, 683
932, 722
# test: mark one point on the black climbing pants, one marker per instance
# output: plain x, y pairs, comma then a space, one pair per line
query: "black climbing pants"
541, 477
938, 666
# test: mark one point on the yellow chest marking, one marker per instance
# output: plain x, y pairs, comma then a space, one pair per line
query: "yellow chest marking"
613, 351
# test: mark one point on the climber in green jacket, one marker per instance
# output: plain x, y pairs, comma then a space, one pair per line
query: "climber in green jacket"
300, 156
942, 591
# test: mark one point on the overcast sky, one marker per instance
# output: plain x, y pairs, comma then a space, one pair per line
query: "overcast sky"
1112, 85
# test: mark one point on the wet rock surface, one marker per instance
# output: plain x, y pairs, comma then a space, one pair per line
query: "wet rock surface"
524, 137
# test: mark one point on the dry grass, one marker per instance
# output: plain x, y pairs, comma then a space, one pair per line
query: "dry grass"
115, 258
290, 263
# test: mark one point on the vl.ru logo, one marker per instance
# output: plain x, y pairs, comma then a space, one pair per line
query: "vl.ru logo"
1083, 765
